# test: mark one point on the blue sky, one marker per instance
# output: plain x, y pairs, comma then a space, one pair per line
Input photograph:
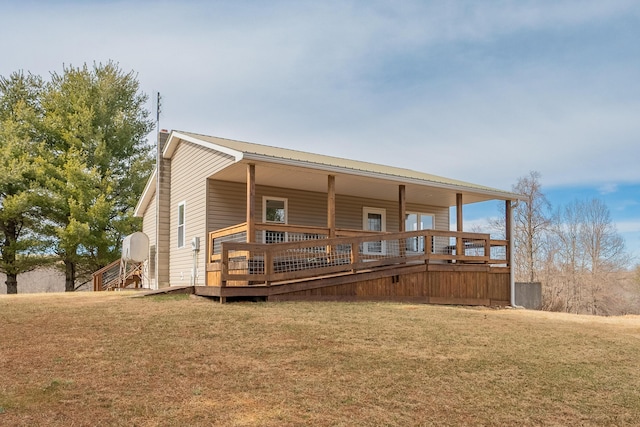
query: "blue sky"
479, 91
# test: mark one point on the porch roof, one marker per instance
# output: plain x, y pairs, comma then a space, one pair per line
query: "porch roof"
282, 167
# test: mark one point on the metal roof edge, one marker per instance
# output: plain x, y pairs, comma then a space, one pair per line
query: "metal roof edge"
146, 194
176, 136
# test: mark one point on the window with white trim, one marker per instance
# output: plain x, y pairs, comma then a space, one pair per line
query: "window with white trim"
274, 211
181, 224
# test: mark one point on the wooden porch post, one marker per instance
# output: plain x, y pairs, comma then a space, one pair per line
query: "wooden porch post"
402, 207
251, 203
402, 211
459, 242
507, 231
331, 206
459, 211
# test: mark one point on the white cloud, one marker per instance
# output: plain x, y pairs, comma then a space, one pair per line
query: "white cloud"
482, 92
608, 188
632, 226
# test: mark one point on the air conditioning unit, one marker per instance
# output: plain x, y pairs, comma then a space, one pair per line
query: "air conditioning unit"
195, 244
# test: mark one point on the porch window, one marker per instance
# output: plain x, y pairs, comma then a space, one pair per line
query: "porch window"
374, 219
274, 211
181, 224
415, 221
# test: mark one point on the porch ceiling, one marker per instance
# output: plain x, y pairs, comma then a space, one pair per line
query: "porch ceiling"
288, 176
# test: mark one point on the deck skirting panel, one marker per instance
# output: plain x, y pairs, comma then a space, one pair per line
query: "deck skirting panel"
445, 284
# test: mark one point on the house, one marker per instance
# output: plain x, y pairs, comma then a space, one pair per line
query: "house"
242, 220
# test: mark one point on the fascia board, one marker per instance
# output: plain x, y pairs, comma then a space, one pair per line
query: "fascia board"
175, 137
146, 194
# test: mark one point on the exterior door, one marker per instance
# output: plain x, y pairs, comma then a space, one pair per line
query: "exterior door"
414, 222
374, 219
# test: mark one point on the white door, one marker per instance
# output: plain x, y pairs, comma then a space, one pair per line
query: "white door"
374, 219
415, 221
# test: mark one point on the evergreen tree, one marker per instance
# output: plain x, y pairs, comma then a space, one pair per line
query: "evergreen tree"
20, 167
95, 124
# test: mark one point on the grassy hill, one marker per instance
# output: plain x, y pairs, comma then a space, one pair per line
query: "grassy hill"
107, 359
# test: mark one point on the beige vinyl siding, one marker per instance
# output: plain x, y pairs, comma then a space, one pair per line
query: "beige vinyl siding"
227, 207
149, 228
304, 207
227, 204
191, 165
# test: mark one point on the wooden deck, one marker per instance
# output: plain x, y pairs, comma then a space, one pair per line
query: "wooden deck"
432, 284
442, 268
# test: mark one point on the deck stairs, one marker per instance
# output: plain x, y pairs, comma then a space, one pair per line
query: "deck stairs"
118, 275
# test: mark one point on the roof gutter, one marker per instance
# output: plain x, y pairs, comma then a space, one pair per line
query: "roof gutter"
512, 276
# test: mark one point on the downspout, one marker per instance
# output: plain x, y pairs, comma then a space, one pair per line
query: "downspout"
512, 277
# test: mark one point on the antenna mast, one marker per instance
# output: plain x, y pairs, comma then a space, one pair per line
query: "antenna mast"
158, 106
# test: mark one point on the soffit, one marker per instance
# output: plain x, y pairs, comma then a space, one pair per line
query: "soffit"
275, 175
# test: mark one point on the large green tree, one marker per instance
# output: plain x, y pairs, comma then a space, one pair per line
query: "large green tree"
94, 124
21, 167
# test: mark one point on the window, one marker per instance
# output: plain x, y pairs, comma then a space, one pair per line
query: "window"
374, 219
274, 211
415, 221
181, 226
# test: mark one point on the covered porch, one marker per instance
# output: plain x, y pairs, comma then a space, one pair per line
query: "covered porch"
275, 259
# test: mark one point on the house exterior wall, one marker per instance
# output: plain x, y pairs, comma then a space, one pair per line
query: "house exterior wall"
226, 204
227, 207
149, 228
191, 165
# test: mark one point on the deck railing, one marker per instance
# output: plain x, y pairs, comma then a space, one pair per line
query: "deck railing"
112, 276
272, 233
255, 263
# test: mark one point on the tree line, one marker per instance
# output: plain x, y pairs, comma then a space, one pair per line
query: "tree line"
73, 161
574, 250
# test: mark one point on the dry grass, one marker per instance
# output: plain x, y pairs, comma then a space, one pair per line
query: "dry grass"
106, 359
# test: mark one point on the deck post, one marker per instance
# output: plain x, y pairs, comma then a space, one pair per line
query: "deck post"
507, 231
268, 266
331, 214
355, 256
510, 251
402, 207
402, 212
251, 203
224, 266
459, 240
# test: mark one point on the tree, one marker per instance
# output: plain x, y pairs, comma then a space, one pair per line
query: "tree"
95, 125
568, 259
531, 221
604, 249
589, 252
20, 199
576, 253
